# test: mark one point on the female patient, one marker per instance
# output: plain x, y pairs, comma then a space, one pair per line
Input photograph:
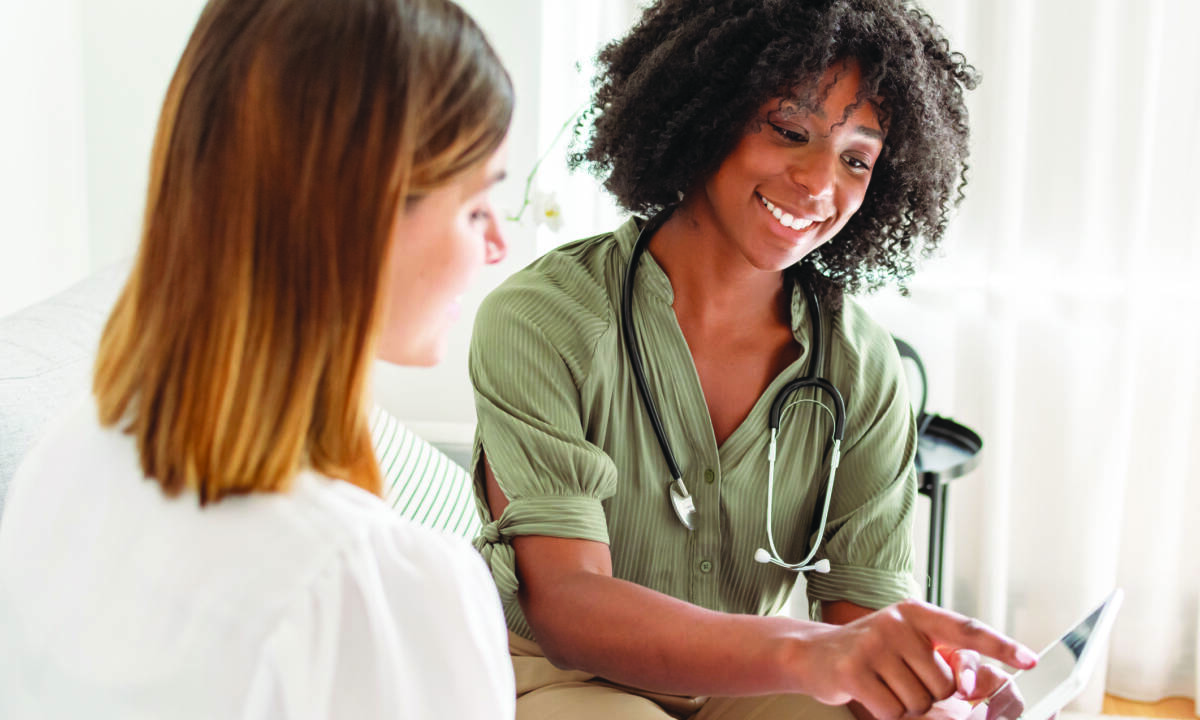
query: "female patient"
785, 153
203, 538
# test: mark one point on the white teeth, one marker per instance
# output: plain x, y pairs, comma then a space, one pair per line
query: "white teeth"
785, 219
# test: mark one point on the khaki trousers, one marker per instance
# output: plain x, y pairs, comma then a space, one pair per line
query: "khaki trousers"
546, 693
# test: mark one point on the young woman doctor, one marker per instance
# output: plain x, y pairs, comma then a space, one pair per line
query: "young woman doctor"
203, 538
645, 520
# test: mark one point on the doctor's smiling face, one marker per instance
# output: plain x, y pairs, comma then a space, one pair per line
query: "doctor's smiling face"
797, 175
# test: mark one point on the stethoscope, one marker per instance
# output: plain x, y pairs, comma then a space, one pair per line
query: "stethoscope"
681, 499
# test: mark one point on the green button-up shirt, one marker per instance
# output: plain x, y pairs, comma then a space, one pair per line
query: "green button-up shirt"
564, 430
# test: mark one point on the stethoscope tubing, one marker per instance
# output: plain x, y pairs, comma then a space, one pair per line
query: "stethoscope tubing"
839, 414
680, 498
631, 341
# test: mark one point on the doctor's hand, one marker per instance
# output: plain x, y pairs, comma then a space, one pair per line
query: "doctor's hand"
893, 661
977, 682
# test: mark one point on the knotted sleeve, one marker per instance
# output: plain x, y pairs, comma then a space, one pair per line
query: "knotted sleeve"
530, 429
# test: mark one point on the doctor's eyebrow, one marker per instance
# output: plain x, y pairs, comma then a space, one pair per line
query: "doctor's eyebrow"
788, 111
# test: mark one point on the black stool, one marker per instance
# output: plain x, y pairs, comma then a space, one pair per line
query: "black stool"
945, 450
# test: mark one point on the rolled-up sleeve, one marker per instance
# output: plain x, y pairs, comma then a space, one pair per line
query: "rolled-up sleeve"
529, 428
868, 540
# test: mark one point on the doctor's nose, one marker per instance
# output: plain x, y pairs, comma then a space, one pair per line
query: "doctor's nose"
816, 176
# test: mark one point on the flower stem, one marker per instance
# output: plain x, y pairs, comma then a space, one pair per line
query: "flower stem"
533, 172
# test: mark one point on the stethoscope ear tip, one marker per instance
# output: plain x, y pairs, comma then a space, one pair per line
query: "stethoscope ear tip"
761, 555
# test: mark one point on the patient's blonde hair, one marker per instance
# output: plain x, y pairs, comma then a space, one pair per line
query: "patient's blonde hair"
240, 348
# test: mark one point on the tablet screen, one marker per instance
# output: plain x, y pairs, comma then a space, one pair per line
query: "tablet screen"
1061, 673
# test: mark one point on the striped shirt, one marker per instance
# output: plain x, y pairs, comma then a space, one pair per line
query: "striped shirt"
565, 433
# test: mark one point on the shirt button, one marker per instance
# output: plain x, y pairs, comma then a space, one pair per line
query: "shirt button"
705, 566
709, 476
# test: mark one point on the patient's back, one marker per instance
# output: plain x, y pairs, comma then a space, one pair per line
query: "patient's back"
116, 601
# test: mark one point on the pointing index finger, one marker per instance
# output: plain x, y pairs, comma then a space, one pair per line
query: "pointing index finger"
950, 629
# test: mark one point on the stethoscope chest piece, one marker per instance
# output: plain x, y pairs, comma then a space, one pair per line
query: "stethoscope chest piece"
681, 501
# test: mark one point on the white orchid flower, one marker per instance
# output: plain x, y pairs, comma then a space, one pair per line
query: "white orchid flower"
546, 210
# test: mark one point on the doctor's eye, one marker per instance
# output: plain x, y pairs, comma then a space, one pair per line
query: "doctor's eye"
857, 164
789, 135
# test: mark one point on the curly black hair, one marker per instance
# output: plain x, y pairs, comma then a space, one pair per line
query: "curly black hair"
676, 94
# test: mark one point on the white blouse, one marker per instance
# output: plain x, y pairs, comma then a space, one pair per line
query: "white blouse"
118, 602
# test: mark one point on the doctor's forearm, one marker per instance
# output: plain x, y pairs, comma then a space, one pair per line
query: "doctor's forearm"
585, 619
636, 636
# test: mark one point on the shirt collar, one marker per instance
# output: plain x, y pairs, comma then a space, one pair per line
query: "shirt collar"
651, 278
799, 306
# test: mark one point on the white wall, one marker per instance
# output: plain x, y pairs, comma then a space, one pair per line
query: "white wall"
130, 49
85, 80
43, 194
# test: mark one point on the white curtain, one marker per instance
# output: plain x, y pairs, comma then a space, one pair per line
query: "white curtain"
572, 34
1063, 324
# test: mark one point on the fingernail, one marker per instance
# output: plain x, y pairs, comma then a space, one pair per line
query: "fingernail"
1026, 657
966, 681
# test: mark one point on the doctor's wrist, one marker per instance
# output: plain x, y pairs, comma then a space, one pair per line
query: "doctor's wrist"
799, 655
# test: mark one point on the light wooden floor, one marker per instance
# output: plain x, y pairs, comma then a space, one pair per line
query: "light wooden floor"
1169, 708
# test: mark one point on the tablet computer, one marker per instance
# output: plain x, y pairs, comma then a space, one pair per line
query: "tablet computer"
1062, 670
